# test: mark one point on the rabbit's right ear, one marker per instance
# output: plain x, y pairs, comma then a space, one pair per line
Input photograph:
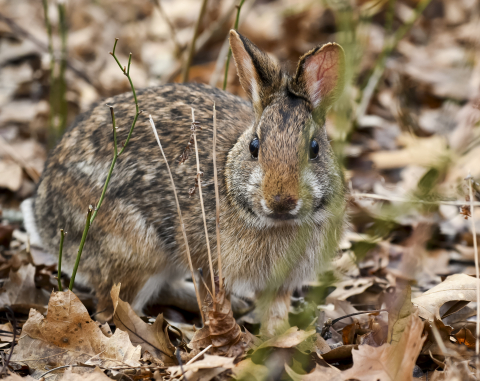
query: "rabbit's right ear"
260, 76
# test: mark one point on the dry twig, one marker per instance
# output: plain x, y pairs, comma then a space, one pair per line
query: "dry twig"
187, 248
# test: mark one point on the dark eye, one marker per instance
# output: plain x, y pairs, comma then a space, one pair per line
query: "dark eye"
314, 148
254, 144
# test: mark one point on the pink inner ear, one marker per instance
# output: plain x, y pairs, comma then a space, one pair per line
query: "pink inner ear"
321, 73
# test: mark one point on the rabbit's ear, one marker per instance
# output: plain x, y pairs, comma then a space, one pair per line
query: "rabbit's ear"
320, 76
259, 75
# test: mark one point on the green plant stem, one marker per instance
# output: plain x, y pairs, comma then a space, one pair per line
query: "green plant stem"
60, 250
126, 71
80, 248
93, 213
191, 49
229, 55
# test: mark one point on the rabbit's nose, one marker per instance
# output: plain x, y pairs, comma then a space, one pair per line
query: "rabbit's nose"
283, 203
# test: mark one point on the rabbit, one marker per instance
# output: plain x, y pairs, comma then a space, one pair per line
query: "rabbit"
282, 191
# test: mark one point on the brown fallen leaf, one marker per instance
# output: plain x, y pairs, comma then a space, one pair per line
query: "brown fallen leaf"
350, 287
247, 370
16, 377
151, 337
459, 287
464, 336
319, 373
96, 375
389, 362
204, 369
289, 339
19, 290
67, 335
220, 330
400, 308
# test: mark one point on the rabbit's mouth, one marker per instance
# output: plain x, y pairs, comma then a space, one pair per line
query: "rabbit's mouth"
282, 216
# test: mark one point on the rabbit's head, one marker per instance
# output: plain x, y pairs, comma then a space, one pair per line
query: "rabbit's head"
282, 170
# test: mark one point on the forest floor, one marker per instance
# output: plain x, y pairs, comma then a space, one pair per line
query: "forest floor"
406, 129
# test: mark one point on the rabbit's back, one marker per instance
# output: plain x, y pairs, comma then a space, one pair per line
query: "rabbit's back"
136, 230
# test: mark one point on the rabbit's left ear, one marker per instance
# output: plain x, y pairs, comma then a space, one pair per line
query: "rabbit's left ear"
320, 76
259, 75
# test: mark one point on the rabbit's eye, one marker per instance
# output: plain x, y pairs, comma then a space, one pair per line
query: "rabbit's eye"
314, 148
254, 144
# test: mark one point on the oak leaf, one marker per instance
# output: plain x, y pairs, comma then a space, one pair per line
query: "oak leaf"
151, 337
67, 335
458, 287
389, 362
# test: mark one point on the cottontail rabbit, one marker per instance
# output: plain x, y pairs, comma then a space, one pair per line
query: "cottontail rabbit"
281, 190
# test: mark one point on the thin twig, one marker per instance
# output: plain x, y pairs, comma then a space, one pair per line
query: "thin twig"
477, 272
212, 275
126, 71
405, 200
199, 355
389, 47
239, 8
59, 267
217, 198
13, 319
191, 50
187, 248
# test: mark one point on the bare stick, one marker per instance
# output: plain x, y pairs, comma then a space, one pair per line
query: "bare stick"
217, 197
180, 218
191, 50
400, 199
59, 267
212, 275
477, 270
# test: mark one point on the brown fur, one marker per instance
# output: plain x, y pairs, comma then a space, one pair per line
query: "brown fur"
136, 235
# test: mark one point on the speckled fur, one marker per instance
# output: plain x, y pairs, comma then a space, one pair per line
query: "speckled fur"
136, 235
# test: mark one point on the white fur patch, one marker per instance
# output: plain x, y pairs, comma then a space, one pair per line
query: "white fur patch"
150, 289
29, 222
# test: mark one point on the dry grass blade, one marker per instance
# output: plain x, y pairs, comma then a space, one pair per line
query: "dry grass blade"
212, 275
187, 248
220, 330
217, 196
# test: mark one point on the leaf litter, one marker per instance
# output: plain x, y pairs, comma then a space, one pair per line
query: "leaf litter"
415, 142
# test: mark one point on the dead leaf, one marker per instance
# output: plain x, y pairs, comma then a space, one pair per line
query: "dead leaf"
68, 335
11, 175
247, 370
464, 336
350, 287
220, 330
319, 373
289, 339
95, 375
400, 308
19, 290
217, 363
459, 287
151, 337
389, 362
